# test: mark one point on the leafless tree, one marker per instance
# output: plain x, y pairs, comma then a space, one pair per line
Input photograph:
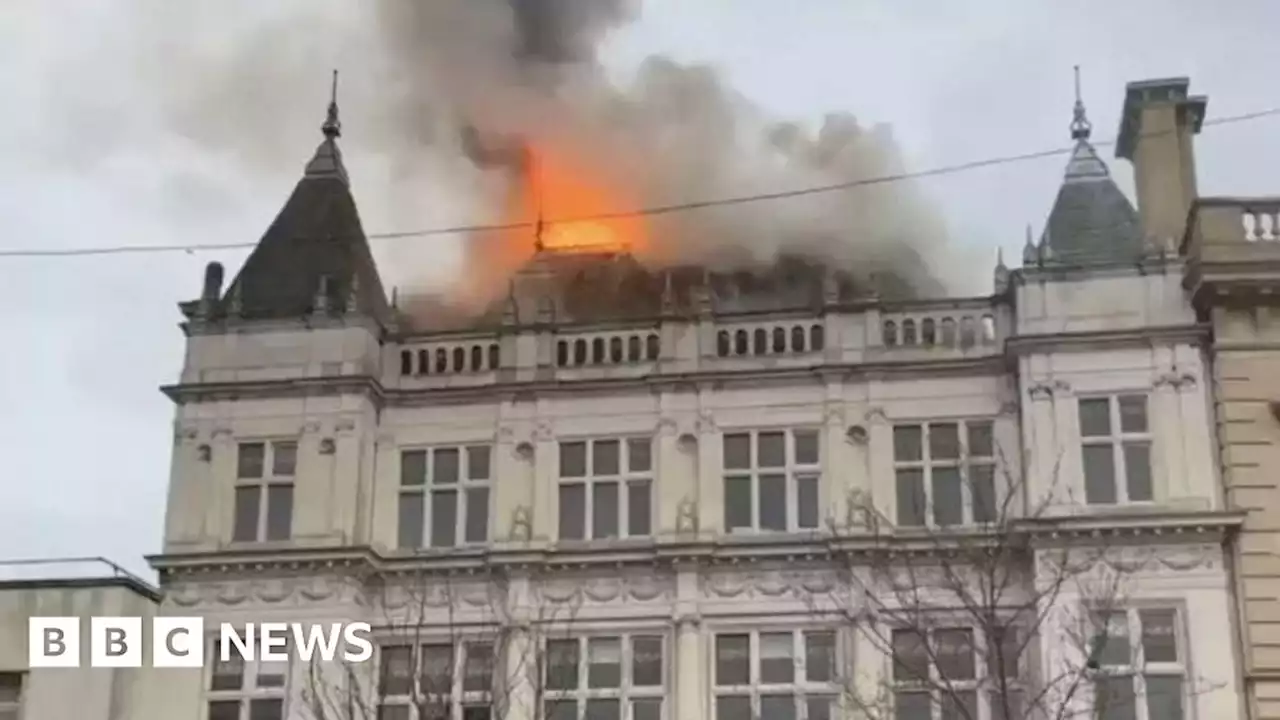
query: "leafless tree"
470, 642
961, 612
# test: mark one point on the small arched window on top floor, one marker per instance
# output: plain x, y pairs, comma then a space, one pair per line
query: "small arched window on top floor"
424, 362
779, 341
562, 353
579, 352
760, 342
740, 342
908, 332
495, 356
442, 361
477, 358
817, 338
797, 339
890, 333
633, 348
597, 351
968, 333
928, 332
722, 343
459, 360
615, 350
406, 362
653, 347
948, 332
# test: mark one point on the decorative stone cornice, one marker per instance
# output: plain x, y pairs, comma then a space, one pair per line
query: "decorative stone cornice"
1197, 334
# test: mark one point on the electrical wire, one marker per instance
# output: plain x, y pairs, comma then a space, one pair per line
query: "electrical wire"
644, 212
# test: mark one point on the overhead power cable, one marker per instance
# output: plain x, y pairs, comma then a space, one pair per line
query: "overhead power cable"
542, 223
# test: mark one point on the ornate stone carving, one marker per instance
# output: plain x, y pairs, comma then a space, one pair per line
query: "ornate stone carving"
706, 422
327, 446
1048, 389
204, 453
312, 426
1177, 381
345, 425
687, 516
768, 584
834, 415
521, 524
631, 587
667, 427
876, 416
544, 431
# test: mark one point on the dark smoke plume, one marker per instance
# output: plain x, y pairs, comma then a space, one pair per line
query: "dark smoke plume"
438, 95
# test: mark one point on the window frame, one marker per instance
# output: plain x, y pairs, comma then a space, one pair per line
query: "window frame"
1118, 439
626, 692
589, 480
459, 699
1138, 670
801, 689
250, 689
984, 684
424, 493
964, 462
791, 470
262, 485
11, 708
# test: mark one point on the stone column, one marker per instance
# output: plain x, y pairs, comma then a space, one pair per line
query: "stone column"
689, 669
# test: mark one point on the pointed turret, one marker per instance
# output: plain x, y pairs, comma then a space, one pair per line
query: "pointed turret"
1092, 222
314, 259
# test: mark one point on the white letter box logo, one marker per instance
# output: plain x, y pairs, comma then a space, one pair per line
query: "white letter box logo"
53, 642
177, 642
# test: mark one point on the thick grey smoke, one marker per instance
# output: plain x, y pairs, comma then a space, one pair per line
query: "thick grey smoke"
677, 134
437, 96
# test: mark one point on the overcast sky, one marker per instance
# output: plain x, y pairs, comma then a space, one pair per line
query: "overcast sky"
97, 148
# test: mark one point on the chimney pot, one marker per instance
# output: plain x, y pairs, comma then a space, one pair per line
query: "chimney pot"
212, 282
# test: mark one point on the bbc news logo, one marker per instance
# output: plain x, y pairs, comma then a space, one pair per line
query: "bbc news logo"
179, 642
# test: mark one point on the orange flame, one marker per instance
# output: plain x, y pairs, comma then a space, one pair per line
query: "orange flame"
558, 188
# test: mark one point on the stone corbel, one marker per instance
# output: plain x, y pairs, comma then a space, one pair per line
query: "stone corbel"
344, 426
1181, 382
1049, 389
876, 416
835, 416
666, 427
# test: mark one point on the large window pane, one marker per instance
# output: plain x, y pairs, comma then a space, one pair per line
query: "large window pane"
561, 710
819, 656
777, 707
1114, 699
573, 459
959, 705
806, 447
436, 671
573, 511
819, 708
1164, 697
738, 506
1113, 629
955, 654
247, 512
733, 708
387, 712
912, 706
639, 455
396, 676
1095, 417
409, 529
562, 664
639, 501
224, 710
1137, 471
1159, 637
478, 669
266, 709
733, 659
444, 518
982, 484
1133, 413
598, 709
737, 451
478, 459
771, 450
413, 467
444, 466
944, 441
284, 458
604, 458
948, 497
777, 658
773, 502
646, 661
604, 510
604, 662
910, 656
477, 526
1099, 474
228, 674
911, 498
279, 512
807, 501
907, 443
250, 460
981, 440
646, 709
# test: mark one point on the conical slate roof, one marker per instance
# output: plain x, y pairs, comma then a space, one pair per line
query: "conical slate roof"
316, 240
1092, 222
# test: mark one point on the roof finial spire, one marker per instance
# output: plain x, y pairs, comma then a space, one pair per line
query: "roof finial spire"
332, 127
1080, 125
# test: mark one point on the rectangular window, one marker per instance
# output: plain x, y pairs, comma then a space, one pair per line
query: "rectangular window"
771, 481
445, 680
606, 488
239, 690
1141, 665
444, 496
776, 674
263, 499
945, 473
610, 677
938, 670
10, 695
1115, 441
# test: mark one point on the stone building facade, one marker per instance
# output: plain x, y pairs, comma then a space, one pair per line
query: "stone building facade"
781, 496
